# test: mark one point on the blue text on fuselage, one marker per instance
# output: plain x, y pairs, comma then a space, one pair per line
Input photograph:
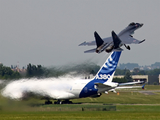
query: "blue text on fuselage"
102, 76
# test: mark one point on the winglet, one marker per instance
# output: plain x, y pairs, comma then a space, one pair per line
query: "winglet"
98, 39
143, 86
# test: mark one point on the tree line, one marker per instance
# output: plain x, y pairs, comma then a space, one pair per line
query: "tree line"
84, 69
8, 73
137, 71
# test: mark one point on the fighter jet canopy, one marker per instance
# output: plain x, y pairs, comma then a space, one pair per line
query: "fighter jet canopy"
132, 24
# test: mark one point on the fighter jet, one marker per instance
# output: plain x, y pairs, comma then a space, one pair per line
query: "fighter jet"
115, 42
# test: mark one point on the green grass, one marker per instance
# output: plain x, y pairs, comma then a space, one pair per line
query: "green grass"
124, 112
152, 87
130, 105
123, 98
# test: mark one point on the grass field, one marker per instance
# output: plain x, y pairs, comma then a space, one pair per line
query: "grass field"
124, 112
130, 105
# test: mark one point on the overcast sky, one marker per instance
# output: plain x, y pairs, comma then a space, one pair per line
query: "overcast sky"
48, 32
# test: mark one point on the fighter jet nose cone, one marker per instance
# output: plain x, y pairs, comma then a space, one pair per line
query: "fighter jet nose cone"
141, 24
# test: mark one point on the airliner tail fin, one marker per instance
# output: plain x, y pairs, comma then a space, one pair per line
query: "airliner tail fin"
107, 71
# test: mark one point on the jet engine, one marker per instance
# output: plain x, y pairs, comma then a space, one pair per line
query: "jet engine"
110, 48
97, 95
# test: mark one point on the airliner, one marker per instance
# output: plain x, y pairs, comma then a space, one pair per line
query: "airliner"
101, 83
62, 90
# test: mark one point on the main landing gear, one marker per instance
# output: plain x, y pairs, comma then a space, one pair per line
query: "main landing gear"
128, 47
63, 102
47, 102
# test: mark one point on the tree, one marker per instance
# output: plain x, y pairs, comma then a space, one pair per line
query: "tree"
35, 71
7, 73
120, 80
128, 76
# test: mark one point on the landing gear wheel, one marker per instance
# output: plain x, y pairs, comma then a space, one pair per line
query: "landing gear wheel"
66, 102
48, 102
58, 102
63, 102
128, 47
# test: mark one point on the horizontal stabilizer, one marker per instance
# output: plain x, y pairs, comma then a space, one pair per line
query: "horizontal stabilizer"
90, 51
83, 44
98, 39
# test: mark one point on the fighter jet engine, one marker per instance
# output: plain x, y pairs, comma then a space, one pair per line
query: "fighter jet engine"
110, 48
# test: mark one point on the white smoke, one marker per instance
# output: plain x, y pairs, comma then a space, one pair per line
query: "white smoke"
50, 87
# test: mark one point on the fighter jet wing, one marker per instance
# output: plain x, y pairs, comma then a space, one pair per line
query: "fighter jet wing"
98, 41
128, 39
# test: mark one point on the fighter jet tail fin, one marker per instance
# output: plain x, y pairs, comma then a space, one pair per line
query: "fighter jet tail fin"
116, 40
98, 39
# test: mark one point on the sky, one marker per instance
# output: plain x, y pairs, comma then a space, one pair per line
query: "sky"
48, 32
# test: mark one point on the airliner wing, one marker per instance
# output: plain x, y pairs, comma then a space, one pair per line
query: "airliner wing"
130, 83
105, 87
123, 87
113, 86
128, 87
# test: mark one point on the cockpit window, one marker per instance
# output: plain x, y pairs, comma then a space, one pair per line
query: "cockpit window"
131, 24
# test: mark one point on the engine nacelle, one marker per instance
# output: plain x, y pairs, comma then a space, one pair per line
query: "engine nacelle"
113, 90
97, 95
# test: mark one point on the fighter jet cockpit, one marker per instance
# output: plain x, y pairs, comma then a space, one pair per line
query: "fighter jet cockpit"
138, 25
132, 24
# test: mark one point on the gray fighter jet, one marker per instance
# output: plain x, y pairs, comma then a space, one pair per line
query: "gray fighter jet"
115, 42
